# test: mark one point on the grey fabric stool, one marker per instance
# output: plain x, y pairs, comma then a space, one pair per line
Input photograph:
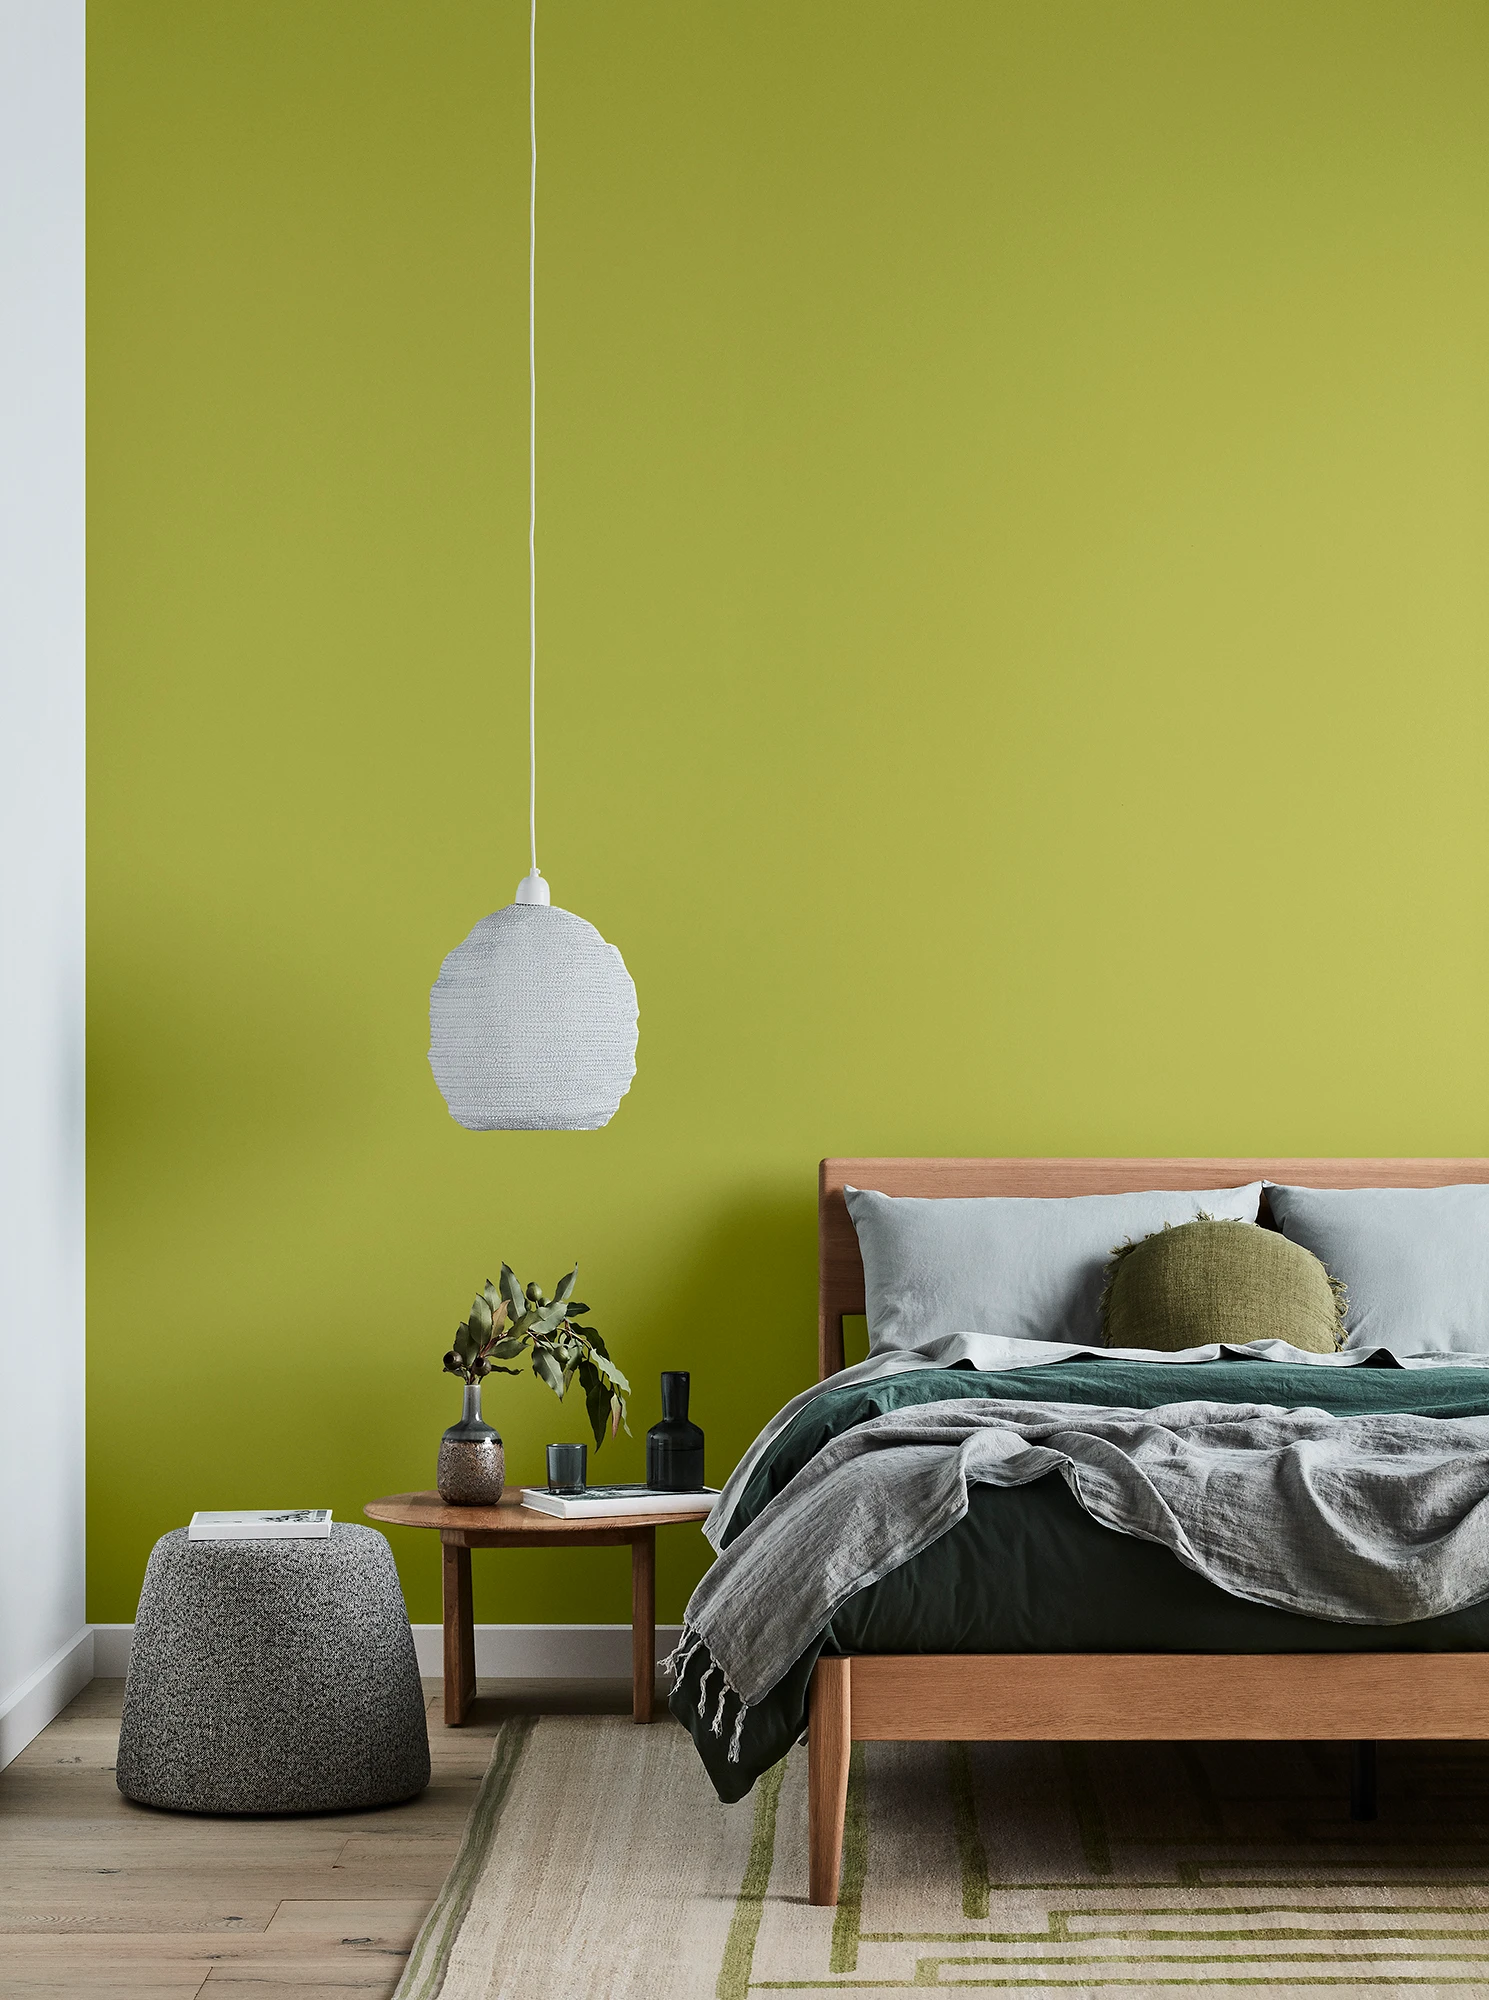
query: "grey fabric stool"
273, 1677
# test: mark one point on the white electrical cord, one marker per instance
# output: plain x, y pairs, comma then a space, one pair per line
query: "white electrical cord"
532, 444
532, 888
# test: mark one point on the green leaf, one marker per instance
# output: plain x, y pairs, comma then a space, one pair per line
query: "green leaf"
480, 1317
512, 1291
547, 1370
491, 1295
597, 1406
577, 1311
596, 1343
608, 1370
493, 1369
465, 1344
504, 1350
566, 1288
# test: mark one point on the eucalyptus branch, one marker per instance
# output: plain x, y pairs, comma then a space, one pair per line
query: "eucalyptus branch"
509, 1319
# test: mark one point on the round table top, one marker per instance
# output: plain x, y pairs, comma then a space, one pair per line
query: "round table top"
510, 1517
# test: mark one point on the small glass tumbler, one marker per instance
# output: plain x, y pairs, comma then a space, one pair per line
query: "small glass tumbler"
567, 1467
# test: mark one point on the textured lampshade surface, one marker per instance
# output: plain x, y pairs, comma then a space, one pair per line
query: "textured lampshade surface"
532, 1024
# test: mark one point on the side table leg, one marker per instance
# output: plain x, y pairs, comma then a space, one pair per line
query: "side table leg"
643, 1624
460, 1635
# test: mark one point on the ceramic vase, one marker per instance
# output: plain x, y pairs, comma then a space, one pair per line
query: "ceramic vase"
472, 1464
674, 1447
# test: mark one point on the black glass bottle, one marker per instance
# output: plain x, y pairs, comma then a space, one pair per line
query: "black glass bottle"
674, 1447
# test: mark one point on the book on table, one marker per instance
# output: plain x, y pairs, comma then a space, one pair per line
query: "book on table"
595, 1501
262, 1524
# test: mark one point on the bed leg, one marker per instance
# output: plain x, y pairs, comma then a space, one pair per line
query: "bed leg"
829, 1741
1362, 1781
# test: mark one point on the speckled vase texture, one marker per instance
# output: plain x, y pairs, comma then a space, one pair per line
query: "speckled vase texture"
273, 1677
471, 1470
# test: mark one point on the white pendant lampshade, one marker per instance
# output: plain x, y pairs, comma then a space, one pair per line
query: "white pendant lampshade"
532, 1021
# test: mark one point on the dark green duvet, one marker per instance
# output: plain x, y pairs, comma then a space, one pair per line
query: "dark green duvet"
1029, 1571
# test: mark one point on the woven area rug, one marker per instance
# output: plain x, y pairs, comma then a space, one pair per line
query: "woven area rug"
599, 1863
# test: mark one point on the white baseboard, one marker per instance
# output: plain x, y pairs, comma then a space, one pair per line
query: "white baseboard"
111, 1644
545, 1652
44, 1694
503, 1652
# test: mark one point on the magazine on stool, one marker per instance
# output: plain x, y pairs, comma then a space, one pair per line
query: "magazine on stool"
262, 1524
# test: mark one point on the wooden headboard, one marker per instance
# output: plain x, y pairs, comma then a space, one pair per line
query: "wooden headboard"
840, 1268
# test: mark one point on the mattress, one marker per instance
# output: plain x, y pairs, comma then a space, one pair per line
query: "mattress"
1028, 1570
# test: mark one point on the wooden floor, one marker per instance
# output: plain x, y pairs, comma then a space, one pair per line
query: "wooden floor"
99, 1897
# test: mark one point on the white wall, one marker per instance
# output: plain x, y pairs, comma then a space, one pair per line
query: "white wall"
45, 1648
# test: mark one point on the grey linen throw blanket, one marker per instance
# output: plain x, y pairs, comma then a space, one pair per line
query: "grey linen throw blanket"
1368, 1520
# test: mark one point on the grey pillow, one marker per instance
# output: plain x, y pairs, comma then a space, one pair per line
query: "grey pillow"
1415, 1261
1028, 1267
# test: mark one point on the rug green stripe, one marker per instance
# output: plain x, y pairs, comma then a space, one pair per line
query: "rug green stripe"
1198, 1934
744, 1927
1372, 1847
970, 1851
1301, 1909
1293, 1933
1248, 1979
843, 1956
1280, 1931
1231, 1958
1241, 1882
1035, 1939
919, 1984
425, 1971
1089, 1818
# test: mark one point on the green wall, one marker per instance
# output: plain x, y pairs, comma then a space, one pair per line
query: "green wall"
1015, 624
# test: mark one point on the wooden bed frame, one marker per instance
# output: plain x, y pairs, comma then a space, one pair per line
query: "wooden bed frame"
1066, 1697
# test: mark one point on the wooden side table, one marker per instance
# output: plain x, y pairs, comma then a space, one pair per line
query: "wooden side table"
510, 1525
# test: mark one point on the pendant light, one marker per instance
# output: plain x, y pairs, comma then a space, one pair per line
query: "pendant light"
532, 1021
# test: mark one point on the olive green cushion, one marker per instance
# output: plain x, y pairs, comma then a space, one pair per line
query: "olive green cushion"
1205, 1282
